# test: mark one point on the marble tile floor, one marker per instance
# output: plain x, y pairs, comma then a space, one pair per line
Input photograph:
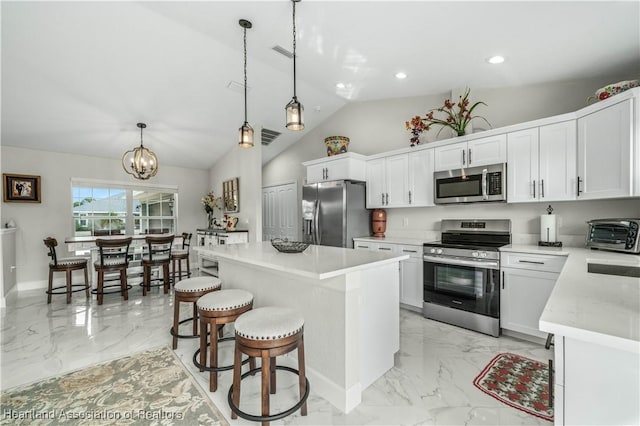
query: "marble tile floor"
431, 383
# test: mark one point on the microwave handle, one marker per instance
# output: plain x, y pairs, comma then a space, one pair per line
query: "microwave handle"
484, 185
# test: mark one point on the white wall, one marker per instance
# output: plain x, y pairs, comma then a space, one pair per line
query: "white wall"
378, 126
52, 217
246, 165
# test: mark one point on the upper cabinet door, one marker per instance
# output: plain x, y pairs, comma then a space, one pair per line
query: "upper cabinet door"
605, 152
485, 151
450, 157
397, 181
421, 178
522, 166
557, 169
376, 184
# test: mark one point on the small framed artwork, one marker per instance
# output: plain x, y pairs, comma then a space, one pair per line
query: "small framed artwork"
20, 188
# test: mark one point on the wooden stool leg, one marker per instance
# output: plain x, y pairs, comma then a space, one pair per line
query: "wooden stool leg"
203, 341
86, 281
173, 271
176, 319
100, 286
50, 285
302, 375
123, 283
237, 366
165, 276
179, 269
272, 373
188, 268
213, 356
195, 319
69, 278
146, 272
265, 384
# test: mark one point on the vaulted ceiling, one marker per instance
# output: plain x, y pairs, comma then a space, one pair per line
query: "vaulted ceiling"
77, 76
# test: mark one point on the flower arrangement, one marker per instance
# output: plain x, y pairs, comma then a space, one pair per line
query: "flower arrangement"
211, 203
457, 117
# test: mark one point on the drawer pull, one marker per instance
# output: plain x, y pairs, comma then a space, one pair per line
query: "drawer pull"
363, 246
409, 251
457, 302
531, 261
384, 248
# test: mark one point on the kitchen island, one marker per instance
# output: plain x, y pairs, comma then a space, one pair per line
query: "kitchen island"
595, 319
349, 299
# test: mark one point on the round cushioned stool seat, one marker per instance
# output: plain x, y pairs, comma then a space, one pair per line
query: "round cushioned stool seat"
224, 300
198, 284
269, 323
190, 290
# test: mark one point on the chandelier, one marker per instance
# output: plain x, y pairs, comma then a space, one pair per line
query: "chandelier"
245, 131
140, 162
295, 110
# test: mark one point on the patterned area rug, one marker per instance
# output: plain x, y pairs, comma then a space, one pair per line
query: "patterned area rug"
151, 387
519, 382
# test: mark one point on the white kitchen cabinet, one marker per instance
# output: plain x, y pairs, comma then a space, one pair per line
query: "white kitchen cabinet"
401, 180
349, 166
421, 178
595, 384
527, 282
605, 152
411, 270
473, 153
541, 163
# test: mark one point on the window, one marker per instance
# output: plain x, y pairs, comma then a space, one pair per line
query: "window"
102, 208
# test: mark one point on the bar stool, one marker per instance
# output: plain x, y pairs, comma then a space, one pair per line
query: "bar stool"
68, 265
216, 309
113, 256
158, 254
178, 255
266, 333
189, 291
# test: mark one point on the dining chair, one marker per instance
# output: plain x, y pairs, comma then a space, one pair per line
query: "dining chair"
67, 265
158, 254
113, 256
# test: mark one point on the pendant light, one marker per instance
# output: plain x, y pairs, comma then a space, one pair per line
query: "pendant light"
295, 110
140, 162
245, 139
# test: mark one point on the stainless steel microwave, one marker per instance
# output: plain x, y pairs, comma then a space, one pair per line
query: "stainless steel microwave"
614, 234
470, 185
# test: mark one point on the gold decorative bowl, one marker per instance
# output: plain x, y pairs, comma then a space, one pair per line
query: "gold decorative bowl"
336, 145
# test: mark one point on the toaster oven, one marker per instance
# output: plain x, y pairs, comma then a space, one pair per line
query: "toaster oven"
614, 234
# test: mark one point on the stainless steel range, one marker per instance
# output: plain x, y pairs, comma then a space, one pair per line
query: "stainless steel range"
462, 274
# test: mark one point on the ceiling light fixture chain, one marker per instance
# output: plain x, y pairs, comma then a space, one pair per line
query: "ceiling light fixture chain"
140, 162
294, 109
245, 131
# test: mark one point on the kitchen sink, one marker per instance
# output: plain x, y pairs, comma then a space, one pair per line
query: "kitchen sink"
608, 269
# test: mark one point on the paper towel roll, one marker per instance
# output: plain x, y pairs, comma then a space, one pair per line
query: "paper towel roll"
548, 228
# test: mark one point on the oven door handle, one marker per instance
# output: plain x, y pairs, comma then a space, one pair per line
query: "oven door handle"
461, 262
485, 196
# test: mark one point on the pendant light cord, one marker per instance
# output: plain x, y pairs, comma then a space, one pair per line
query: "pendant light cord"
245, 75
294, 49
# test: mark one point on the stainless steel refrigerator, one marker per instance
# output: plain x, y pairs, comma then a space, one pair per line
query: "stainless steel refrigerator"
334, 212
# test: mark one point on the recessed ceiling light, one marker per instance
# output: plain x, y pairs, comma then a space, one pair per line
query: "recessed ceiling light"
401, 75
340, 85
496, 60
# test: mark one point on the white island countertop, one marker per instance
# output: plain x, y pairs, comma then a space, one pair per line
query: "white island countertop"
317, 262
591, 307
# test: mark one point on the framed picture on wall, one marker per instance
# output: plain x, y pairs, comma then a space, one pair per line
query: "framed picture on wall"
20, 188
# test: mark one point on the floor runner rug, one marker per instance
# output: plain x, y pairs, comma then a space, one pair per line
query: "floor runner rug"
519, 382
148, 388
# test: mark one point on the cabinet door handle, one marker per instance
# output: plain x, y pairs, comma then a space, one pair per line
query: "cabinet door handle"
463, 160
409, 197
327, 169
534, 189
387, 196
531, 261
541, 188
503, 280
469, 156
579, 191
382, 198
550, 393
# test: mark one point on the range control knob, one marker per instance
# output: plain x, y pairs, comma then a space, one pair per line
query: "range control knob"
483, 254
439, 251
432, 250
474, 254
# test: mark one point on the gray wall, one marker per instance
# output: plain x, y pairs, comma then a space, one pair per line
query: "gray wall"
378, 126
52, 217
